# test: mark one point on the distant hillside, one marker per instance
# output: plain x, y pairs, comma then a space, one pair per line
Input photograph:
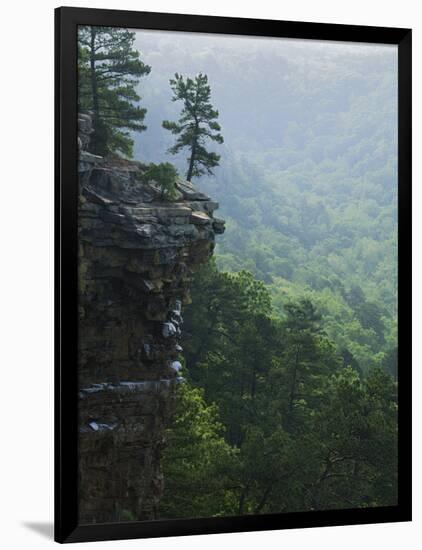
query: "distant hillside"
308, 175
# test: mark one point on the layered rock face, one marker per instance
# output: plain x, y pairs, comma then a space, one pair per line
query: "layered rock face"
137, 255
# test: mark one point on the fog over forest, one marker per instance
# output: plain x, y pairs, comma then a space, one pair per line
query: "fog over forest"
307, 180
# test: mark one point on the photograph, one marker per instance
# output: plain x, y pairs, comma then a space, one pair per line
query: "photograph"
237, 275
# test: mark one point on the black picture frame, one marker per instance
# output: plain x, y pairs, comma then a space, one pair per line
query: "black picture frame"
66, 323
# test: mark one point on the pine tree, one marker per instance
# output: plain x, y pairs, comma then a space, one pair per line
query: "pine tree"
197, 124
109, 70
307, 358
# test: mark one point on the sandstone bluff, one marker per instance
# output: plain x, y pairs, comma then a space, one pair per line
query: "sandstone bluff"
137, 255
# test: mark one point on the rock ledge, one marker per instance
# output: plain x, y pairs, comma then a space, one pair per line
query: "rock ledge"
137, 255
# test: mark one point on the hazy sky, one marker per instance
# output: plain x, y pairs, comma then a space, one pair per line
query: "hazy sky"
267, 88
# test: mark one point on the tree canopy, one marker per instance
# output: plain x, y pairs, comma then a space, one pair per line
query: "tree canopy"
109, 70
270, 419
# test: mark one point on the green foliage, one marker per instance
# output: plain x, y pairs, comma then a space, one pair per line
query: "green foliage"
197, 461
301, 246
272, 418
197, 124
108, 71
165, 176
358, 430
307, 355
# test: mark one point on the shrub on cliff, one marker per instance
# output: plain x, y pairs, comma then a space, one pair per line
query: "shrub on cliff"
164, 175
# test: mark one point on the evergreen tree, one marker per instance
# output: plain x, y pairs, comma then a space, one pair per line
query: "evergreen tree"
307, 356
197, 124
109, 70
270, 419
356, 429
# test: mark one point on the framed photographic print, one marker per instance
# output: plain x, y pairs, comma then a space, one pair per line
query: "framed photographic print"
232, 274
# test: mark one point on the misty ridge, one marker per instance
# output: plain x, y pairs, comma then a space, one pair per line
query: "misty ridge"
307, 180
277, 93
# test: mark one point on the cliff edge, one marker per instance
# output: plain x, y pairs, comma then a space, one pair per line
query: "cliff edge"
137, 255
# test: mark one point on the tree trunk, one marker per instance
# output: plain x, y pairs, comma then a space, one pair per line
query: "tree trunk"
253, 382
242, 499
292, 393
192, 156
94, 91
264, 499
293, 386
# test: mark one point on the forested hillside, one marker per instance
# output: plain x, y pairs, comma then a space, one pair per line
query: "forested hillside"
286, 354
307, 178
270, 420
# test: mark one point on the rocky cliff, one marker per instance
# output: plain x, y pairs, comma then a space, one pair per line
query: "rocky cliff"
137, 255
